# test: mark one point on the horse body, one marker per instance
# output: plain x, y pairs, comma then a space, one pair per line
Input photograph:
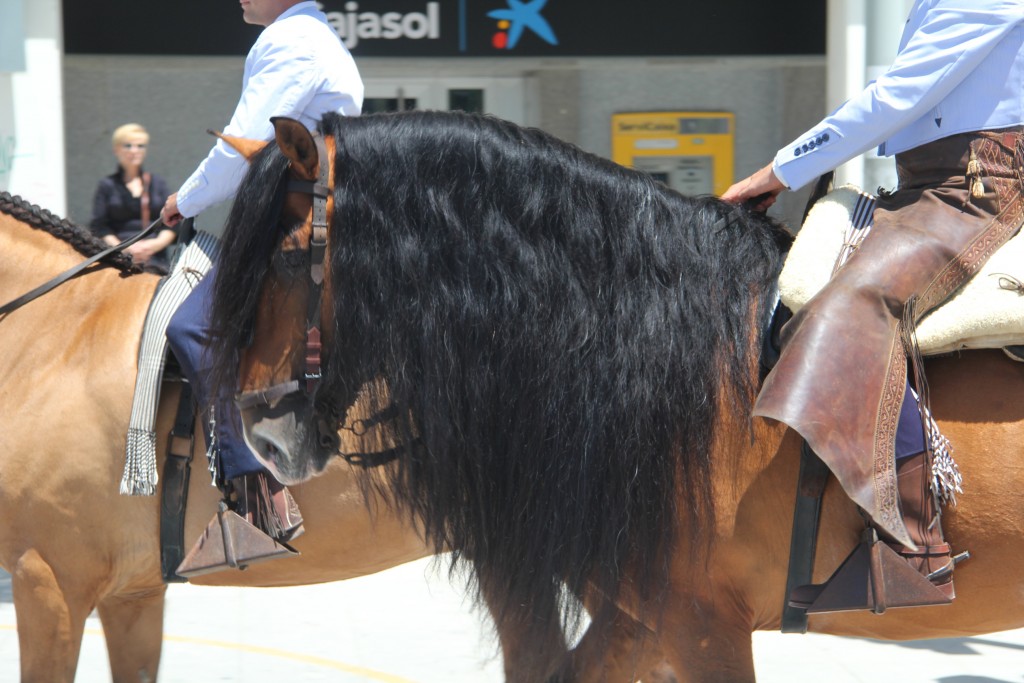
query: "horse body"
739, 587
448, 287
69, 540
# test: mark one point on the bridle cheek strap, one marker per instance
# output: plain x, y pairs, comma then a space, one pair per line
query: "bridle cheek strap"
320, 191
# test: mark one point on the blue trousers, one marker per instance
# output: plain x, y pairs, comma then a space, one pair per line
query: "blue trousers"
188, 335
909, 429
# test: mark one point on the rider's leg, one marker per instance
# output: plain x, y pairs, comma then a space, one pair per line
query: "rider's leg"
188, 335
918, 502
920, 510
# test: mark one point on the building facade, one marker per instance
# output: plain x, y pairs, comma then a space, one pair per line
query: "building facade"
566, 66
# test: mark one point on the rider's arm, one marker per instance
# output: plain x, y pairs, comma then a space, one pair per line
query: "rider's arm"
951, 41
280, 83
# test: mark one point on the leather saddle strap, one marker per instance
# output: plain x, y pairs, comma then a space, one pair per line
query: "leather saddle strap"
806, 516
144, 198
174, 492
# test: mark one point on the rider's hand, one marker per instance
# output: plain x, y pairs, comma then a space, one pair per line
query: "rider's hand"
169, 214
763, 182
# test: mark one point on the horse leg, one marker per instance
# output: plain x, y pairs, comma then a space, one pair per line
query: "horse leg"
520, 661
707, 643
616, 649
49, 628
133, 626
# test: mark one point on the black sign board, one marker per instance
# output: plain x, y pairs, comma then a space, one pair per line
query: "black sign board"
465, 28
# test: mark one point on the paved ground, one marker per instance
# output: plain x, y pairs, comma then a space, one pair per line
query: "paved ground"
408, 625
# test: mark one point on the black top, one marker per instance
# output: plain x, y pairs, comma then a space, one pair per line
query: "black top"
116, 212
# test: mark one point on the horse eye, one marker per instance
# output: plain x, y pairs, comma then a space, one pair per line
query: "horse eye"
289, 261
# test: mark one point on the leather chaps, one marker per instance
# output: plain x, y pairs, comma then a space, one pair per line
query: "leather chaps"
841, 377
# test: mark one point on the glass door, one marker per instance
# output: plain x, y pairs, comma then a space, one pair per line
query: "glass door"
502, 97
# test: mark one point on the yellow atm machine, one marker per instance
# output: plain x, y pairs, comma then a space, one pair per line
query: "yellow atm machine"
690, 151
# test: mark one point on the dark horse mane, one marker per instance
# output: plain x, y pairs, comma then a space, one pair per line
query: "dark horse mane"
562, 331
78, 237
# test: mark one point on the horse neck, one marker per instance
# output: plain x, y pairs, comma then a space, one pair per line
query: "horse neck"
745, 452
97, 308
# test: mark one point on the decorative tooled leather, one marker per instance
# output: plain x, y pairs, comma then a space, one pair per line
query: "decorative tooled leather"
884, 470
1005, 182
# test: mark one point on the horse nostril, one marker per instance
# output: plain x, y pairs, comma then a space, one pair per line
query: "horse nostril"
328, 439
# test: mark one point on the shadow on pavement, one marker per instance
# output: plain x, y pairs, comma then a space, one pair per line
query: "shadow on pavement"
959, 646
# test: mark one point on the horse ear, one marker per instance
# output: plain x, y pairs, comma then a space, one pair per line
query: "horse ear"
244, 146
296, 142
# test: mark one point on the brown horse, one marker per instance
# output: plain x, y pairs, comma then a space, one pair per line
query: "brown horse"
557, 330
69, 540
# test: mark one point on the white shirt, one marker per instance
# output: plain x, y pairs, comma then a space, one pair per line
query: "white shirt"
960, 68
298, 68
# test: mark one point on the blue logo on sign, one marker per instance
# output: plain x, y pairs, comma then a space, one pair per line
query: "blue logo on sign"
517, 18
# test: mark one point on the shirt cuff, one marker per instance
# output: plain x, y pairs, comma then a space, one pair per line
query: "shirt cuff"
188, 204
778, 173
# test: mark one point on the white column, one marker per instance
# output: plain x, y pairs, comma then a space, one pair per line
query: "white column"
846, 57
862, 39
32, 109
885, 21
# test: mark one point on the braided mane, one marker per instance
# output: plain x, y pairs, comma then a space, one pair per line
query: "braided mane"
78, 237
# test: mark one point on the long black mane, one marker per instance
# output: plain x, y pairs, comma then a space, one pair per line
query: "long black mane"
78, 237
563, 332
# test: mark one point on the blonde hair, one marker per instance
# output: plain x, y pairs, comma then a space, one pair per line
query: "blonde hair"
124, 132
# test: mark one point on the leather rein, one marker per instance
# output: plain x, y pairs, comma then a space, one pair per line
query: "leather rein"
57, 281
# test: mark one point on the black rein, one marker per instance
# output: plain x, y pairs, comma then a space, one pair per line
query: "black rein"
71, 272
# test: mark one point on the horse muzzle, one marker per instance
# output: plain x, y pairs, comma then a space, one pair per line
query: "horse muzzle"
286, 434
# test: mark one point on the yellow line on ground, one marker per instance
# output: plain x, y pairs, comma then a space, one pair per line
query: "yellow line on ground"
370, 674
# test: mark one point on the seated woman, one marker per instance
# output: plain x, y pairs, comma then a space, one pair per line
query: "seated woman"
129, 199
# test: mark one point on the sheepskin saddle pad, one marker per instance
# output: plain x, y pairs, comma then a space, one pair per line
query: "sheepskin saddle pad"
987, 312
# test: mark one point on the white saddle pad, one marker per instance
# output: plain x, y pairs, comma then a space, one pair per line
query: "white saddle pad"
987, 312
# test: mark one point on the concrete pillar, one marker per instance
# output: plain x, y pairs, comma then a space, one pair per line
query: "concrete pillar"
863, 36
32, 106
845, 46
885, 21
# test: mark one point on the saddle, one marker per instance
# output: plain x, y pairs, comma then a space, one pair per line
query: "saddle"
986, 313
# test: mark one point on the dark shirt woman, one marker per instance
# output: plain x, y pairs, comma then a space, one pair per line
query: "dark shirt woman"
117, 203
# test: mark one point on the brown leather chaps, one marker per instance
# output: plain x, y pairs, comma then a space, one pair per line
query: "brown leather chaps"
841, 377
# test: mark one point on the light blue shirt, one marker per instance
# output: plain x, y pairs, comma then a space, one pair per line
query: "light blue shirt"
298, 68
960, 68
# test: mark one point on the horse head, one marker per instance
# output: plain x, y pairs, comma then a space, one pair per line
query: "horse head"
284, 409
555, 339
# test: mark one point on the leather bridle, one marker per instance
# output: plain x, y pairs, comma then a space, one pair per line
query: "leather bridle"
328, 419
309, 383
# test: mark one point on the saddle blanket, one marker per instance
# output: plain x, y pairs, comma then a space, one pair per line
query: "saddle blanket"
986, 313
140, 475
